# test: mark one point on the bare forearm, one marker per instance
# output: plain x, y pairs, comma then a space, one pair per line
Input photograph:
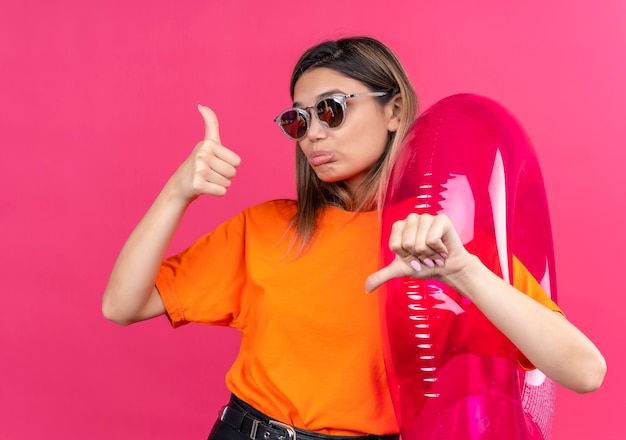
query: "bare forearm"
550, 342
132, 280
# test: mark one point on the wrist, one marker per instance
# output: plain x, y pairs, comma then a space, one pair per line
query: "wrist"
172, 195
472, 273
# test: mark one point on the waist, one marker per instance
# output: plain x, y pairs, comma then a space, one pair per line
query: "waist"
247, 419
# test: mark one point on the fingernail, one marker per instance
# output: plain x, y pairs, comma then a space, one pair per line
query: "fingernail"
443, 255
428, 262
415, 265
439, 263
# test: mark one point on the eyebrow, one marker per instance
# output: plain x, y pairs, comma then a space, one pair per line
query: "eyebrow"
321, 96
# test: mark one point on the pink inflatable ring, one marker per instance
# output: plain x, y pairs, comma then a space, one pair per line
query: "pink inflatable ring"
453, 375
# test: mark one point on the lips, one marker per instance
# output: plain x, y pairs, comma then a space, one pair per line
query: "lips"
318, 158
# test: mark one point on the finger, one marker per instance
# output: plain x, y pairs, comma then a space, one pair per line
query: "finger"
217, 178
377, 279
210, 152
227, 155
221, 168
211, 125
422, 236
427, 233
395, 238
408, 237
440, 232
396, 269
412, 234
213, 189
212, 185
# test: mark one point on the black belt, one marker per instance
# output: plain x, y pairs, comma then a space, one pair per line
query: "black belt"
263, 428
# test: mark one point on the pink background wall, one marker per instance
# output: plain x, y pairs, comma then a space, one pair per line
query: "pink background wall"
98, 106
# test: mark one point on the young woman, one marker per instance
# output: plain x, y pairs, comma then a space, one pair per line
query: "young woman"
290, 275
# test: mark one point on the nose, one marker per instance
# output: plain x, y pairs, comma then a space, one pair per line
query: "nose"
316, 129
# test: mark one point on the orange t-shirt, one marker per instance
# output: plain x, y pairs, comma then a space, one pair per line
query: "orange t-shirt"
311, 349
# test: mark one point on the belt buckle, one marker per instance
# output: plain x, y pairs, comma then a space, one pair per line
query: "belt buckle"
291, 433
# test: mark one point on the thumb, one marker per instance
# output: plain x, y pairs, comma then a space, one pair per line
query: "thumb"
396, 269
211, 126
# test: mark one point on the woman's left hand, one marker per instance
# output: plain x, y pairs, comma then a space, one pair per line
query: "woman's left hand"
426, 247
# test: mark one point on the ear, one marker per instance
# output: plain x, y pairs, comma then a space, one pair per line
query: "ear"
393, 111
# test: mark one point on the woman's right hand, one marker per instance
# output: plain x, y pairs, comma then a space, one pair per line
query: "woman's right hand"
210, 167
130, 295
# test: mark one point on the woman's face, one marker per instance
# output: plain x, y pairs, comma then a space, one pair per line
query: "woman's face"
346, 153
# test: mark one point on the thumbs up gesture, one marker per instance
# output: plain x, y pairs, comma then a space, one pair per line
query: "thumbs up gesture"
210, 167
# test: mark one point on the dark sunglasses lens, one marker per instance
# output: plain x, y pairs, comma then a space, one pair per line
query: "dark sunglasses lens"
293, 123
330, 112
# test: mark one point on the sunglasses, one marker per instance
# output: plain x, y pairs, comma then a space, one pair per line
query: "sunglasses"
329, 111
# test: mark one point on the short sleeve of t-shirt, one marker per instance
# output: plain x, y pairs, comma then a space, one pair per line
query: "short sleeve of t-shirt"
204, 283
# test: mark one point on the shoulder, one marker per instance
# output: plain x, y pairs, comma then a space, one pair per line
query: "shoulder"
272, 213
273, 210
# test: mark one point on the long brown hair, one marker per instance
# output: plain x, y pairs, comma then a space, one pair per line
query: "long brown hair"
371, 62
